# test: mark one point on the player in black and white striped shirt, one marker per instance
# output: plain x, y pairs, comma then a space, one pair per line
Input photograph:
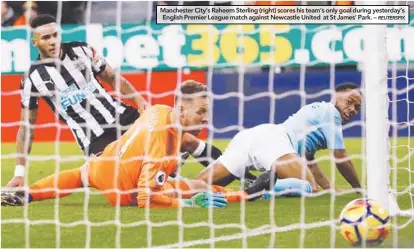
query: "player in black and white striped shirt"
65, 76
72, 91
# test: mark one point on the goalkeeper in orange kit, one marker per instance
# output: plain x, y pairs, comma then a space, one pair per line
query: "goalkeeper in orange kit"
133, 170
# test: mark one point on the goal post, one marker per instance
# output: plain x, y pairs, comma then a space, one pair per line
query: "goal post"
375, 67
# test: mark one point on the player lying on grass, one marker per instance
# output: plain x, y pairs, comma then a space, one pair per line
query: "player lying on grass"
93, 119
277, 148
139, 162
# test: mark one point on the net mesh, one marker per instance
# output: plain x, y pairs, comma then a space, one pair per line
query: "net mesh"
241, 91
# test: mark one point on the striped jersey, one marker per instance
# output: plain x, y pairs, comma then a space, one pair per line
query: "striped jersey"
71, 89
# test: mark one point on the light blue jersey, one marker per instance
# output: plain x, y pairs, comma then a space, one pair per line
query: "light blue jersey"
314, 127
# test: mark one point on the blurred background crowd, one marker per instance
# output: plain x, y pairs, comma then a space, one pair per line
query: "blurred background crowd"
18, 13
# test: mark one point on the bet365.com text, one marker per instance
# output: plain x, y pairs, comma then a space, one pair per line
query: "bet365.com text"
283, 14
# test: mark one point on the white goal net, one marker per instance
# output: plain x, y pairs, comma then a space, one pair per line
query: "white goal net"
256, 74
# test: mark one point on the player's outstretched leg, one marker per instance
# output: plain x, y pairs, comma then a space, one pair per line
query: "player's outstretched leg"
206, 154
292, 166
248, 177
215, 173
294, 178
288, 173
45, 188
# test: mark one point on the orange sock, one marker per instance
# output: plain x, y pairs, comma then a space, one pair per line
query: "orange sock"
231, 195
68, 179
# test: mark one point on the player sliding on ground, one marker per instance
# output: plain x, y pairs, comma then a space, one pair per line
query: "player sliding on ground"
277, 148
139, 162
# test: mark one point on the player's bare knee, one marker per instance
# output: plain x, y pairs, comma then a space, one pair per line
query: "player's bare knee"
197, 185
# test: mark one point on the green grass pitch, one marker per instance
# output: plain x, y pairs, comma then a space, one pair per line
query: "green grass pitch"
62, 223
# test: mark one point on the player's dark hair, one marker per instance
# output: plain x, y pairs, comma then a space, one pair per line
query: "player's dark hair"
345, 86
190, 89
42, 20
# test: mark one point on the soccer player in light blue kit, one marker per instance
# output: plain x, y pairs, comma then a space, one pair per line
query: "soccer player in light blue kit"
279, 149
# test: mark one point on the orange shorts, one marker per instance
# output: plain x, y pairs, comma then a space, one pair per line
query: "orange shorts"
117, 187
101, 175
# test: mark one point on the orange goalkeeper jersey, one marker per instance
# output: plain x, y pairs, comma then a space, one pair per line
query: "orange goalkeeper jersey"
139, 162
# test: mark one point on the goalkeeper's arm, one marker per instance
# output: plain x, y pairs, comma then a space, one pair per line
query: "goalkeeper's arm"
319, 176
24, 142
155, 192
346, 168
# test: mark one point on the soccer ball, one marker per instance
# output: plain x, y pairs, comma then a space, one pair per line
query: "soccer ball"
364, 222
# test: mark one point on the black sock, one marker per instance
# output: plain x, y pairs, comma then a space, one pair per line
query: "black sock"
225, 181
249, 177
208, 155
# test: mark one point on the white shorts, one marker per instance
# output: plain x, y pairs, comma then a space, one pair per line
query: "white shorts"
260, 146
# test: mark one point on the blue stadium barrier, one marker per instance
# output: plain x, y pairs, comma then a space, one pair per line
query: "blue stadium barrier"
230, 110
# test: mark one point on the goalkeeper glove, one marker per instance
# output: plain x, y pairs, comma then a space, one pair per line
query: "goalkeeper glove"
205, 200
